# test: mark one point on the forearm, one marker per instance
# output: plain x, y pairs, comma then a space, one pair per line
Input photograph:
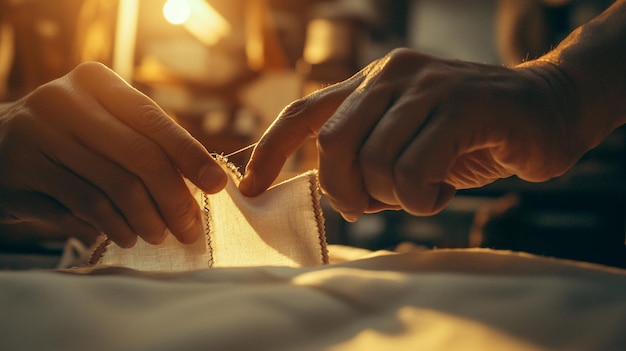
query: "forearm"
593, 59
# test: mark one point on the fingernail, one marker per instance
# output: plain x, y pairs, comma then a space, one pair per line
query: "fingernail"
349, 217
127, 244
193, 232
156, 240
212, 179
247, 184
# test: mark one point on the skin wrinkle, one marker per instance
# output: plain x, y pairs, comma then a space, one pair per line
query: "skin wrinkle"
479, 170
572, 98
148, 117
294, 109
559, 125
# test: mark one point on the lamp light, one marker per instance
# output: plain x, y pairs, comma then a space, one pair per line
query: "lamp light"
199, 18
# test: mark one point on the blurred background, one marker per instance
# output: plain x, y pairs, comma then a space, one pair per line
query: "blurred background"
225, 68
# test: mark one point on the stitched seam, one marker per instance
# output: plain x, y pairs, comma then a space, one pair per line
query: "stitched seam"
99, 251
234, 170
318, 214
223, 160
207, 228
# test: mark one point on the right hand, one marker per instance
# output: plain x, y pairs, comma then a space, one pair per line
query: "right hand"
410, 129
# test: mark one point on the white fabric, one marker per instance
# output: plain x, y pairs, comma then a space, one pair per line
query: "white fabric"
282, 227
430, 300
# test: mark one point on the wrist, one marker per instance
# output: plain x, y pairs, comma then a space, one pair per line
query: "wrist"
587, 116
591, 60
562, 110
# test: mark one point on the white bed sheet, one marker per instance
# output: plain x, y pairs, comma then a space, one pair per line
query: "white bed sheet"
428, 300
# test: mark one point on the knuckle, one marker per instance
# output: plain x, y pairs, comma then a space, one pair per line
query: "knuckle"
154, 121
48, 96
399, 56
149, 115
148, 157
88, 71
96, 78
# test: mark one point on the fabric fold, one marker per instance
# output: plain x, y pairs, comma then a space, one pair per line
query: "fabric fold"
284, 226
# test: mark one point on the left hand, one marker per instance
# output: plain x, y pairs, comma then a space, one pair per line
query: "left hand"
87, 153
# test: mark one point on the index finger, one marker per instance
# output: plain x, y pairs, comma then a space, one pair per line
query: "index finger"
142, 114
299, 121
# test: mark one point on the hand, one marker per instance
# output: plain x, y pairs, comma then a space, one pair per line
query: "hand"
87, 153
410, 129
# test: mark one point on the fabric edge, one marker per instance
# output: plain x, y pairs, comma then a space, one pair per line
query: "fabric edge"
100, 247
314, 187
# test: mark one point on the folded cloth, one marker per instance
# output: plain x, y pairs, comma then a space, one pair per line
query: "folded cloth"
282, 227
423, 300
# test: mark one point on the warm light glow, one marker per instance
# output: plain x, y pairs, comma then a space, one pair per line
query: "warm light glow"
199, 18
125, 38
325, 40
176, 11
